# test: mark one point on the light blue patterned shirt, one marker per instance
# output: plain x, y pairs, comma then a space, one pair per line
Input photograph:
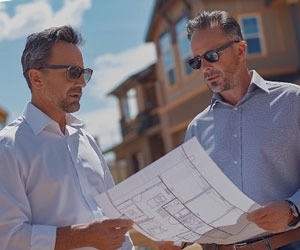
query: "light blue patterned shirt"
256, 143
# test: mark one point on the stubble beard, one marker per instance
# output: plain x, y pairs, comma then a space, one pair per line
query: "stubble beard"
69, 107
218, 87
226, 83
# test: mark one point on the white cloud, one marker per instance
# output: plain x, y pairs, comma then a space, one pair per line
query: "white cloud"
103, 124
110, 70
37, 15
71, 13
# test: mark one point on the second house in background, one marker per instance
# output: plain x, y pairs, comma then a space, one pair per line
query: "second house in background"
157, 103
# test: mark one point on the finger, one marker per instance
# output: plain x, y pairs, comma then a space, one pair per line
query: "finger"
117, 243
257, 214
120, 232
113, 223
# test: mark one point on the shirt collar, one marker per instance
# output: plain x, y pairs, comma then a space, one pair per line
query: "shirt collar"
256, 82
38, 120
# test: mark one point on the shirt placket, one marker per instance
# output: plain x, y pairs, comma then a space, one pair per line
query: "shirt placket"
236, 139
81, 177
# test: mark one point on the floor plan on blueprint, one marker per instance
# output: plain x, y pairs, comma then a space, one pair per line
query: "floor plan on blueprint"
183, 196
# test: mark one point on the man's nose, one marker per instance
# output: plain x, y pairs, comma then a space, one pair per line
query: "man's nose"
80, 82
205, 65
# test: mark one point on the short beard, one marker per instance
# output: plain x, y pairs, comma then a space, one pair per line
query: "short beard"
216, 88
69, 107
73, 106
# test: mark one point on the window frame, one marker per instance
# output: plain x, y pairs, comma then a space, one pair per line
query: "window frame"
130, 112
166, 49
254, 35
184, 55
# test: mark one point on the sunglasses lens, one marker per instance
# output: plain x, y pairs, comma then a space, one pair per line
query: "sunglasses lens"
87, 74
195, 62
211, 56
74, 73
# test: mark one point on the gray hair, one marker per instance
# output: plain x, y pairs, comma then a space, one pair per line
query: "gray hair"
38, 46
217, 18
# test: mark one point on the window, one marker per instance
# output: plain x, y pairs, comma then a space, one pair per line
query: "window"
130, 105
252, 34
165, 44
183, 43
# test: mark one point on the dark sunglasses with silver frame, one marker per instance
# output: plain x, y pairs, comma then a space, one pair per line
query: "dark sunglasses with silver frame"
73, 72
210, 56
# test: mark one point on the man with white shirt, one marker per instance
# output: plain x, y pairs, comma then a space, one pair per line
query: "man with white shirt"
51, 170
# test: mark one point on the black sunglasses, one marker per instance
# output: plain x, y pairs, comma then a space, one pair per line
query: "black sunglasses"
73, 72
210, 56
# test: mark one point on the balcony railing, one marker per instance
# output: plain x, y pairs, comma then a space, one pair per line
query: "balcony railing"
139, 125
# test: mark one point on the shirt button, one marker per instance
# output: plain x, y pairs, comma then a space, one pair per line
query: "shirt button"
235, 162
235, 135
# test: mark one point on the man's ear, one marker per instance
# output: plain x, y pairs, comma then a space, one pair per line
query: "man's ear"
35, 78
242, 47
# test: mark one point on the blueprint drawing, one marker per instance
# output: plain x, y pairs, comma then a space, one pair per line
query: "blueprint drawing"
183, 196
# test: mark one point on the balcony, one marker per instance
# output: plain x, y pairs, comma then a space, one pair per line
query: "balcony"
144, 121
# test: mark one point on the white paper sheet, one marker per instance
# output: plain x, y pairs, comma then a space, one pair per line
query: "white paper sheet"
183, 196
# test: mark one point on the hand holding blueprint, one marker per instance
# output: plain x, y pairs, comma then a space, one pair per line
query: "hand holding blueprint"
183, 196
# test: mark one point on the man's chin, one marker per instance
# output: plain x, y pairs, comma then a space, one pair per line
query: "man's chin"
72, 108
216, 90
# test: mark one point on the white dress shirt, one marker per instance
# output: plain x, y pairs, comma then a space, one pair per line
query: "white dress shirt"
47, 180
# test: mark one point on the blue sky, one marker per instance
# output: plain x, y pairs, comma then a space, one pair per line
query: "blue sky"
115, 48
